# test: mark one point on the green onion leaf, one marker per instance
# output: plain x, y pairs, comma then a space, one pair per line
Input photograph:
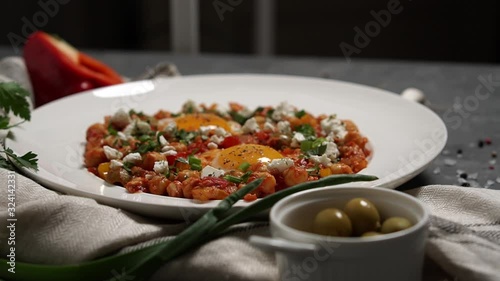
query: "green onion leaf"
233, 179
195, 163
244, 166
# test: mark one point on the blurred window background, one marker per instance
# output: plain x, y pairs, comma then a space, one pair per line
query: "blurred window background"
462, 31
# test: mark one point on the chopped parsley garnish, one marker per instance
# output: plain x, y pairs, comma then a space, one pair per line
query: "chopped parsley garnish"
300, 113
185, 136
28, 160
306, 129
112, 131
313, 147
14, 98
133, 112
147, 144
238, 117
269, 113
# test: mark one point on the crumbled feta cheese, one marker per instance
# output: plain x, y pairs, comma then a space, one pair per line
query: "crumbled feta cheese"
245, 112
282, 110
250, 126
167, 125
124, 175
163, 140
161, 167
115, 164
167, 148
323, 159
209, 171
137, 127
216, 139
120, 119
268, 126
205, 130
170, 128
143, 127
280, 164
235, 126
331, 150
112, 153
169, 153
223, 111
333, 125
219, 131
132, 157
122, 136
284, 128
212, 145
297, 139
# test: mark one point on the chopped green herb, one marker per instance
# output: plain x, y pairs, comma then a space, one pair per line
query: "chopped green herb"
269, 113
313, 147
127, 166
147, 146
185, 136
4, 163
144, 138
195, 163
233, 179
238, 117
133, 112
246, 176
306, 130
28, 160
300, 113
112, 131
244, 166
4, 122
14, 98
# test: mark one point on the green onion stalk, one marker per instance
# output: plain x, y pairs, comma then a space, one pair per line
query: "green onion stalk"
144, 262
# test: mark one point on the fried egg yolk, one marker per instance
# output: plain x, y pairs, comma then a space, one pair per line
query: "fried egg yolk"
193, 122
231, 158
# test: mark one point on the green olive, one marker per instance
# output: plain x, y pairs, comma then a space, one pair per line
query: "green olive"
371, 233
363, 214
394, 224
332, 222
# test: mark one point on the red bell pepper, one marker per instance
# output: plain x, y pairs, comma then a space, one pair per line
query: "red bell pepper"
57, 69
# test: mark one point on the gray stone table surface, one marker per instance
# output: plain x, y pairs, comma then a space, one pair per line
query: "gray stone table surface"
465, 96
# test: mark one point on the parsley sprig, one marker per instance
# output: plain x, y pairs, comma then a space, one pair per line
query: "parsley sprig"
14, 98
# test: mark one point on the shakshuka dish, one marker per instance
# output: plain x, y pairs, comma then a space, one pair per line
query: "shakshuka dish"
206, 152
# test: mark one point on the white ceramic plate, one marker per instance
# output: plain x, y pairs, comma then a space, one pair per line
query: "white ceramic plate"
405, 136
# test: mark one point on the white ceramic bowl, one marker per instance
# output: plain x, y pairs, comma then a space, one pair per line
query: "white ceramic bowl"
303, 255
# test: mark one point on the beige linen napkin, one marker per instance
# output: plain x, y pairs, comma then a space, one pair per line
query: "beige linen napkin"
61, 229
465, 230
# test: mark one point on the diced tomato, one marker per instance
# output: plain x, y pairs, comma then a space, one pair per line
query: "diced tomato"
171, 158
230, 141
262, 136
213, 181
250, 197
